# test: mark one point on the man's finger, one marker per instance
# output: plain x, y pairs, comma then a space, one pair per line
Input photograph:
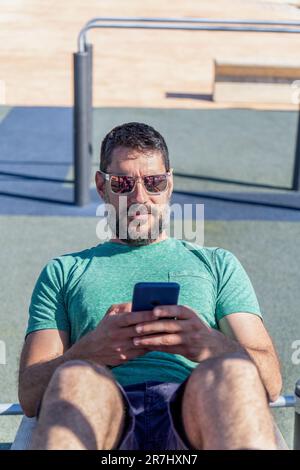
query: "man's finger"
159, 326
127, 354
132, 318
116, 309
174, 311
159, 340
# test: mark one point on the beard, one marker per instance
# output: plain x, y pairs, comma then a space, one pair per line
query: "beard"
137, 237
139, 232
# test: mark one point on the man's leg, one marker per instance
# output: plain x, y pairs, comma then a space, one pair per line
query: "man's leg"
225, 406
82, 409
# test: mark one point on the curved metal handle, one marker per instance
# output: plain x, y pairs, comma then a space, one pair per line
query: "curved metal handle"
174, 24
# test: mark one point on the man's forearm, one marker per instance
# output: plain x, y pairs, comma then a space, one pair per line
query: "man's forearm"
269, 370
34, 380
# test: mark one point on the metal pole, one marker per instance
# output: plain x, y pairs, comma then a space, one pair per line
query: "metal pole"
81, 131
297, 417
296, 171
89, 50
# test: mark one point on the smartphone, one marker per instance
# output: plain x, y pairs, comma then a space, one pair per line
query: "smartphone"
148, 295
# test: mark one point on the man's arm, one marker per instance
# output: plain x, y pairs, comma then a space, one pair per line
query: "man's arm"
249, 331
42, 353
190, 337
109, 344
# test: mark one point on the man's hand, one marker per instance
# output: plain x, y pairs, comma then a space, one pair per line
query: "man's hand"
188, 335
111, 343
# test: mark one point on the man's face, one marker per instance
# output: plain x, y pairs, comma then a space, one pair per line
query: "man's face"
139, 214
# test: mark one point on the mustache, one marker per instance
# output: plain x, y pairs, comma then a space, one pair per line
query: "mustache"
142, 209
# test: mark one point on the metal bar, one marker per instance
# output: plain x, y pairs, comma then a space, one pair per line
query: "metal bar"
82, 167
284, 401
275, 200
82, 34
297, 417
296, 169
89, 50
193, 20
10, 409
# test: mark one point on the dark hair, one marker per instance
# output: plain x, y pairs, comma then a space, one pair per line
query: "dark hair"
135, 135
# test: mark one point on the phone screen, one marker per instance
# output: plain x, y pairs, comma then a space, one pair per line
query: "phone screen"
148, 295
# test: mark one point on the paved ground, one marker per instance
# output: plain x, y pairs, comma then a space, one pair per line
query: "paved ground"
238, 162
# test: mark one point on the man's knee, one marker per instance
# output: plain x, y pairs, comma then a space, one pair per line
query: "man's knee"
83, 398
227, 368
80, 375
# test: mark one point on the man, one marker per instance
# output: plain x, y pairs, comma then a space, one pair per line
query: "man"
100, 376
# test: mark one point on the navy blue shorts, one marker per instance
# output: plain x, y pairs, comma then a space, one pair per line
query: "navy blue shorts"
153, 417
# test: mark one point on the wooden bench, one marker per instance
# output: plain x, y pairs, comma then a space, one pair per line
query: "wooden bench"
253, 81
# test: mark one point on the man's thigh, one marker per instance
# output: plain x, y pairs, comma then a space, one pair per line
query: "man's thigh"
153, 416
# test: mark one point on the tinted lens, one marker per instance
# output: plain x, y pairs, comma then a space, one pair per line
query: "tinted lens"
121, 184
125, 184
155, 183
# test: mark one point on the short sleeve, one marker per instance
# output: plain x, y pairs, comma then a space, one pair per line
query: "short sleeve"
47, 308
235, 292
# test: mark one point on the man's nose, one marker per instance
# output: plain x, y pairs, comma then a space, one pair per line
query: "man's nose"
139, 194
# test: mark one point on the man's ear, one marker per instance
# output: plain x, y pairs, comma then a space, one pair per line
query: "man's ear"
100, 184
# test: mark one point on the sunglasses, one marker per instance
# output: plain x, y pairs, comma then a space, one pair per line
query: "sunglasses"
123, 184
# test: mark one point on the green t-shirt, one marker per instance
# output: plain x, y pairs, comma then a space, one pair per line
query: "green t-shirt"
74, 291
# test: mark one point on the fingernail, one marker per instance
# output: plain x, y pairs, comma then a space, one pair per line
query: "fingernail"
136, 342
157, 312
139, 329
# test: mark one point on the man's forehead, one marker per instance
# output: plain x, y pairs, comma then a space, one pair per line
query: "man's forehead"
124, 157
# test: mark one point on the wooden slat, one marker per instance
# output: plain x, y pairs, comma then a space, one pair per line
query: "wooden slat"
250, 68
